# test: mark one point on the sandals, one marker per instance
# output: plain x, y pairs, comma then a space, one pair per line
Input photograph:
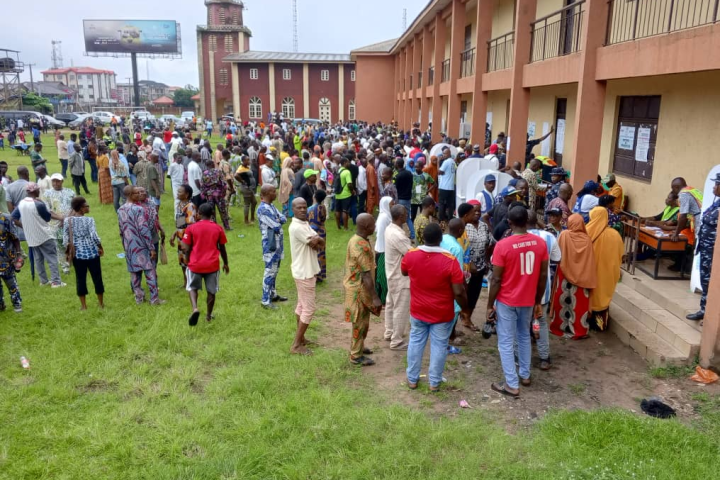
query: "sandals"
362, 361
471, 326
367, 351
500, 388
194, 317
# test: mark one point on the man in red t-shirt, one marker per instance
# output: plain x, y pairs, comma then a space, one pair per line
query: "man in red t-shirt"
432, 310
202, 243
520, 266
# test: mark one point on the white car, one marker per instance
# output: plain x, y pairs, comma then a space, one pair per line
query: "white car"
187, 117
172, 118
106, 117
143, 115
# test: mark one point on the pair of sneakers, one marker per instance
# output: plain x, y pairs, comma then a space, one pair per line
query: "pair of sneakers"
54, 285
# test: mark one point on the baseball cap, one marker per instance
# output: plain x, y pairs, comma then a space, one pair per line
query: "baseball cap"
507, 191
309, 173
558, 171
476, 148
493, 148
554, 211
590, 185
490, 178
56, 176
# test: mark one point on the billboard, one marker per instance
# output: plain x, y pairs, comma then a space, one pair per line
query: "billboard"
131, 36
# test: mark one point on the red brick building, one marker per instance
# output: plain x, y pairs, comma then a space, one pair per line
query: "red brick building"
250, 84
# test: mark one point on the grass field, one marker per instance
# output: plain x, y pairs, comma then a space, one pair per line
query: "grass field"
134, 393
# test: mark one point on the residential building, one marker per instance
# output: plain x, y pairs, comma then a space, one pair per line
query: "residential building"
629, 86
62, 97
250, 84
93, 86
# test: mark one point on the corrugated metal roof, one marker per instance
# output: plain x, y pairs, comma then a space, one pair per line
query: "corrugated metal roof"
255, 56
379, 47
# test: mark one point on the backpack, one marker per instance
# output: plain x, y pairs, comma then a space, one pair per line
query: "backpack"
86, 153
337, 181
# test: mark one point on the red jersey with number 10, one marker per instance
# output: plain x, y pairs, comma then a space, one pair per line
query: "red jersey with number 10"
520, 256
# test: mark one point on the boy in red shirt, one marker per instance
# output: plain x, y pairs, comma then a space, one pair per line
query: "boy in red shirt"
520, 265
202, 243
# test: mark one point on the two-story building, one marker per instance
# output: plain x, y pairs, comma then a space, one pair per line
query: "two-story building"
629, 86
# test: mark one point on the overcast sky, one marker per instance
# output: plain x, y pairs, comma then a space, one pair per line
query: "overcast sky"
324, 26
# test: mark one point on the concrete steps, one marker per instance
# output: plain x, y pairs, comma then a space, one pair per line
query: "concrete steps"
643, 317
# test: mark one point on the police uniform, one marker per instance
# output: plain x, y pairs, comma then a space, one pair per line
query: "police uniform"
705, 246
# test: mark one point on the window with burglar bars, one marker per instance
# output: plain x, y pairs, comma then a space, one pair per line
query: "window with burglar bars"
636, 136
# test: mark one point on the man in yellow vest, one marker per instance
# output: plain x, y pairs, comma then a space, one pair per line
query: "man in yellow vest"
690, 200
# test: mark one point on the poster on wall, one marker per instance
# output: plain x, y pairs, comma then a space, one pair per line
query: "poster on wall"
488, 119
626, 138
643, 144
531, 129
560, 136
545, 145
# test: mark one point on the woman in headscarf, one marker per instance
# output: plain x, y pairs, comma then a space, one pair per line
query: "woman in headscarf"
383, 221
432, 170
285, 195
608, 249
576, 276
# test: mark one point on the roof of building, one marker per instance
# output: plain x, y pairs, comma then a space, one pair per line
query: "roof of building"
380, 47
152, 83
164, 100
49, 88
195, 97
81, 70
288, 57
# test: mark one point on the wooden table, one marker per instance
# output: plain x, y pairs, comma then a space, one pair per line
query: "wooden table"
659, 241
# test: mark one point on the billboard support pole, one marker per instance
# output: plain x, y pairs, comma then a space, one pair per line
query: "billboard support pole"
136, 85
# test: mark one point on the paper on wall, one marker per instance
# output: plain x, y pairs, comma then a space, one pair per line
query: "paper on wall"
643, 144
545, 145
626, 138
560, 136
488, 119
531, 129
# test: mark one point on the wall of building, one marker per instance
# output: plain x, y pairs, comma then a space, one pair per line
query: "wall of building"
546, 7
292, 88
543, 108
254, 88
503, 15
349, 87
374, 88
320, 89
470, 17
498, 104
686, 139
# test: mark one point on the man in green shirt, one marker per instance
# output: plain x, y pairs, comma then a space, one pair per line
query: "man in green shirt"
153, 181
35, 156
344, 190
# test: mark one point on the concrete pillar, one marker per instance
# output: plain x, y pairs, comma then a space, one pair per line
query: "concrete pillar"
457, 38
483, 29
710, 340
519, 96
408, 90
425, 67
341, 92
271, 85
417, 68
440, 36
396, 88
213, 100
306, 90
202, 77
402, 87
590, 97
236, 90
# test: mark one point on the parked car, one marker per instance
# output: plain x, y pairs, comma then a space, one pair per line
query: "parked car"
81, 120
53, 122
106, 117
16, 115
68, 117
187, 117
307, 121
143, 115
172, 118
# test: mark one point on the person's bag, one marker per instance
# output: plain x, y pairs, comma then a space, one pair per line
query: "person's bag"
70, 249
163, 255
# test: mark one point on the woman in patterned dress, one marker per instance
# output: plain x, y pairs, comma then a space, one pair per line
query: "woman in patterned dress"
104, 177
185, 214
88, 250
317, 214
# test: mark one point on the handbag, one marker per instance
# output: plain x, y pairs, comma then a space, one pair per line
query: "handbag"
70, 249
163, 255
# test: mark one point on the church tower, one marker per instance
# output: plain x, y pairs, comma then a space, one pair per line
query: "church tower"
223, 35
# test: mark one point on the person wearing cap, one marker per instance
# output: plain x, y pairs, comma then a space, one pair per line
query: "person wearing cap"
705, 246
613, 188
557, 178
33, 216
307, 191
486, 196
587, 200
476, 152
553, 223
58, 200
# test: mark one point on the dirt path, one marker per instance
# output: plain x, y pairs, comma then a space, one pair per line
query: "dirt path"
596, 372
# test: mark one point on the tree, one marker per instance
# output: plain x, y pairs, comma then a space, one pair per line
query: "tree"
31, 99
182, 97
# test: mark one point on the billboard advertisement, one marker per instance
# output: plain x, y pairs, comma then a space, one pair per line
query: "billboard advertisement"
131, 36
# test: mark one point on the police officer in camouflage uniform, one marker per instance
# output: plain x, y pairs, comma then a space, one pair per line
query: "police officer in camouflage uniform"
705, 246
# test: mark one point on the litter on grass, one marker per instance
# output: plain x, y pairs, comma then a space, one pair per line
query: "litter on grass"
704, 376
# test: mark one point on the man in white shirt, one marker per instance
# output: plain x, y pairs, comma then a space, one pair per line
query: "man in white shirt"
361, 181
195, 177
176, 171
175, 144
304, 245
397, 308
487, 196
63, 153
268, 175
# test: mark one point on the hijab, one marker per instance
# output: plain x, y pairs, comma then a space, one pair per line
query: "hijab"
578, 259
598, 222
383, 221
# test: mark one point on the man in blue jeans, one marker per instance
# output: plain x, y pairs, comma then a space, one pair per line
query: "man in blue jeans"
520, 268
404, 184
431, 304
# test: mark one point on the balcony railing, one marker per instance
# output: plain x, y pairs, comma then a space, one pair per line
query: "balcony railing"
646, 18
467, 63
445, 71
557, 34
431, 75
501, 52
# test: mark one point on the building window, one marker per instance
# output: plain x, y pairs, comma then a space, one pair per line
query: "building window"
255, 110
213, 43
636, 136
351, 108
352, 75
288, 107
286, 74
253, 74
236, 18
325, 75
223, 76
229, 44
324, 109
222, 16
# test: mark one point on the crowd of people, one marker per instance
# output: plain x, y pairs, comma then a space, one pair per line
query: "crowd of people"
550, 265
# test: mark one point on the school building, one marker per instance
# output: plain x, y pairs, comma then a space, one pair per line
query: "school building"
630, 86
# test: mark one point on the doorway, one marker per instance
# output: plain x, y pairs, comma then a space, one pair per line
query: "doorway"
324, 110
559, 135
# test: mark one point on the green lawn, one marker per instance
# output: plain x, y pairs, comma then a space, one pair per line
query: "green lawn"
134, 393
